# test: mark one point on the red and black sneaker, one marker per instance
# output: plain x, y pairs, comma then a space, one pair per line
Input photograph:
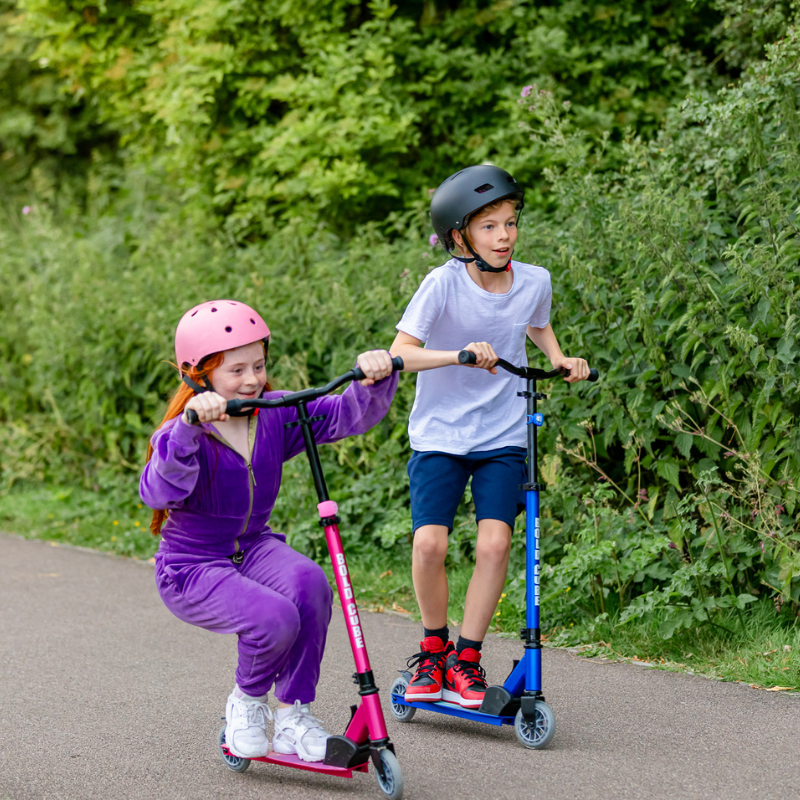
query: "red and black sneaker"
464, 679
426, 685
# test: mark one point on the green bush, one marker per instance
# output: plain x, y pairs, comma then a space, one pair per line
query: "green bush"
347, 110
675, 268
680, 274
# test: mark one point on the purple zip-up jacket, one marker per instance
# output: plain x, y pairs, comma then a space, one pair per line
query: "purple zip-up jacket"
218, 503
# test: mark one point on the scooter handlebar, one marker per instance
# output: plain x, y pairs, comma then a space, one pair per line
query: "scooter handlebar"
397, 366
355, 374
468, 357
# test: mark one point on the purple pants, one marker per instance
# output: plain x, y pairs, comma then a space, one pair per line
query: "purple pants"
277, 601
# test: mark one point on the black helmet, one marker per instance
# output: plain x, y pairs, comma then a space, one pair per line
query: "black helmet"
466, 192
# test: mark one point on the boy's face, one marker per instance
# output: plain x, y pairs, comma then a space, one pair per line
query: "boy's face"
493, 233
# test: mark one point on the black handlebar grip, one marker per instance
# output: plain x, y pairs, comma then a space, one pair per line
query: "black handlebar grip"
467, 357
593, 374
397, 366
191, 415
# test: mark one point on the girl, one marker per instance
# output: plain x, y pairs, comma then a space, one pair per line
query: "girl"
213, 486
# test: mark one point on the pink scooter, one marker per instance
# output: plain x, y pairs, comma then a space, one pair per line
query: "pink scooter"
366, 738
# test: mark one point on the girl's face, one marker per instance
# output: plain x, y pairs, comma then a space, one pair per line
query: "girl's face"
242, 374
492, 234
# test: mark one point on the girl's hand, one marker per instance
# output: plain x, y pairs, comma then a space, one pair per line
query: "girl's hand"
484, 352
209, 406
375, 364
579, 368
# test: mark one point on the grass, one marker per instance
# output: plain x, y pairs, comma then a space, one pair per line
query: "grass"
97, 519
767, 656
383, 584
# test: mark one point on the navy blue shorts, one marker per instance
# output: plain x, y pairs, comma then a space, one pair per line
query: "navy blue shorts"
438, 480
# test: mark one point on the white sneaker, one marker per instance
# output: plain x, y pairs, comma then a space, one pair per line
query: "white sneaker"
301, 733
246, 726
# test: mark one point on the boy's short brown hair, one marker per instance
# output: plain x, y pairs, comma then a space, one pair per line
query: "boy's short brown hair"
493, 206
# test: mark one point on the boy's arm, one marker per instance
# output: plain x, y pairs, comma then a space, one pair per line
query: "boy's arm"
545, 340
417, 358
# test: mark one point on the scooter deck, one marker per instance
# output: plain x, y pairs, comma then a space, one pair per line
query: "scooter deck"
453, 710
296, 763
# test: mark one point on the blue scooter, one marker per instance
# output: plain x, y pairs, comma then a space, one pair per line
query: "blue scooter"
519, 701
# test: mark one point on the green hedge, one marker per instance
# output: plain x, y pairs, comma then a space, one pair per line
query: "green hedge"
671, 483
343, 110
680, 274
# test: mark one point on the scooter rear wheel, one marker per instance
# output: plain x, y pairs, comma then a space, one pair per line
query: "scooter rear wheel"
537, 733
233, 763
400, 712
391, 782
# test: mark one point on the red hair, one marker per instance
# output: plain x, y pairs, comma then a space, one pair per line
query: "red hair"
177, 403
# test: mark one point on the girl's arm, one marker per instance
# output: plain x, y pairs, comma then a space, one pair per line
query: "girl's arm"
545, 340
418, 359
171, 474
355, 411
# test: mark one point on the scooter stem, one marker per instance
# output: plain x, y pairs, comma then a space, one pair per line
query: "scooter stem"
368, 721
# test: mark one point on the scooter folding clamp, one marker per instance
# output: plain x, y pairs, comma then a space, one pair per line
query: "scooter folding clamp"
365, 682
531, 637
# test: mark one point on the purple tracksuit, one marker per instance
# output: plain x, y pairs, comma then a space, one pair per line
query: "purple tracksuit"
277, 600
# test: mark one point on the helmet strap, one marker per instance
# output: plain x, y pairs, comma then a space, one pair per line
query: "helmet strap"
479, 262
196, 387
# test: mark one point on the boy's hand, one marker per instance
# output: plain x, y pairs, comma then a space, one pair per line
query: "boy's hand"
375, 364
578, 367
209, 406
485, 354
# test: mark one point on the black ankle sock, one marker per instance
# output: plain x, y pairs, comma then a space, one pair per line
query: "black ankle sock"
441, 633
463, 644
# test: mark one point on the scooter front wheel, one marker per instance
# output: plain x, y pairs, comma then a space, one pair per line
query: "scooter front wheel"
400, 712
391, 782
537, 733
233, 763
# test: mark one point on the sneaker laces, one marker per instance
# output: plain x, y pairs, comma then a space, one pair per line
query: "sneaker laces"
256, 712
426, 660
472, 670
302, 717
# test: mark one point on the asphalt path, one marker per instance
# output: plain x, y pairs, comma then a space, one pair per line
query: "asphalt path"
103, 694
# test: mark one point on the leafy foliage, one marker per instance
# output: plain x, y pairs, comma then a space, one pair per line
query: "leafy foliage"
683, 265
674, 252
350, 110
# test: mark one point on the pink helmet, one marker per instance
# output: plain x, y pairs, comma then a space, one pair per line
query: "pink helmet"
216, 326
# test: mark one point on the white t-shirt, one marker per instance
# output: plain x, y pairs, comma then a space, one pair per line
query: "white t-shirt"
460, 410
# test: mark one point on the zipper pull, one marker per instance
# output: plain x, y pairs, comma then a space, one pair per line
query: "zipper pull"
252, 474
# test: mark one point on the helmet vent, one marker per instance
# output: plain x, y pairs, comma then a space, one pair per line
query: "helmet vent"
485, 188
193, 313
228, 329
253, 321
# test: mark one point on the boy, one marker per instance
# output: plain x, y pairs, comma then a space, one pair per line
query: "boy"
469, 422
